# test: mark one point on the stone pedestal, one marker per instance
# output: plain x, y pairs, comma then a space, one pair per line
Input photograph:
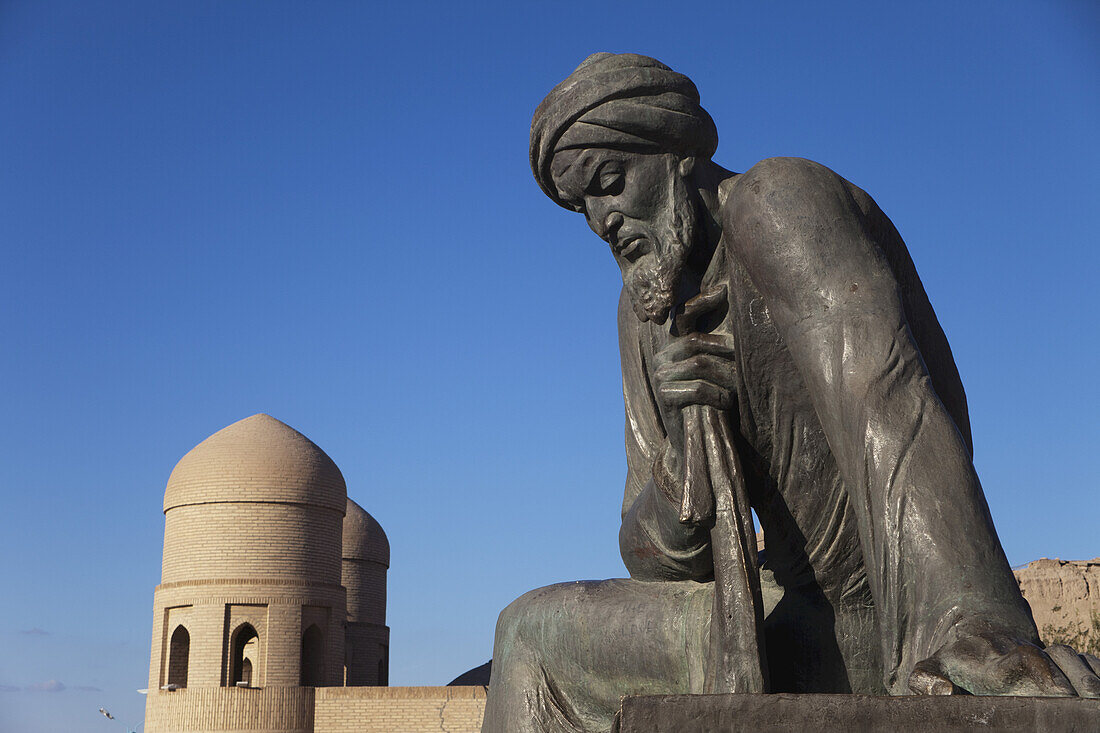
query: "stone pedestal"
781, 713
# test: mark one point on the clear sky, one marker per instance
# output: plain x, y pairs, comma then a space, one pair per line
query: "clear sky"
324, 212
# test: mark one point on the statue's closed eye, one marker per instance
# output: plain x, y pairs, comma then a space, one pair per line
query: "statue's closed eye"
608, 179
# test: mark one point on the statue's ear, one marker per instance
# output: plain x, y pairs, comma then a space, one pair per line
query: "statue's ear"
687, 165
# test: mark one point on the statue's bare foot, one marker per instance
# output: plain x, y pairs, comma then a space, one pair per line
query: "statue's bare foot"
994, 663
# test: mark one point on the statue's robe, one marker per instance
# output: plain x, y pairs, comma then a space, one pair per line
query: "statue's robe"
855, 443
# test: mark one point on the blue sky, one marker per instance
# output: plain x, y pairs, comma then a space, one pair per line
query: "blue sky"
324, 212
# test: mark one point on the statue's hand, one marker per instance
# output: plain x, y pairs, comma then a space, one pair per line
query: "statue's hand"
697, 369
994, 663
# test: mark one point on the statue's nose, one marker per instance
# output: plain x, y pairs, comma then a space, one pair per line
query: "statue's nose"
611, 224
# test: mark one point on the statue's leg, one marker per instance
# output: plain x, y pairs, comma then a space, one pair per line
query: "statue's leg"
564, 655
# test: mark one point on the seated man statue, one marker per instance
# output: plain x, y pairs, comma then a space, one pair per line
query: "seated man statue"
779, 354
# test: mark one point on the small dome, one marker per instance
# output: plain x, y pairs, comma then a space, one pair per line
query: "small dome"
363, 537
256, 459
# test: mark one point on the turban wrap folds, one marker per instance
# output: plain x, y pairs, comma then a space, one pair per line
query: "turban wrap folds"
623, 101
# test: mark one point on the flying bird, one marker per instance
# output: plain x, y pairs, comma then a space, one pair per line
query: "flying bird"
106, 714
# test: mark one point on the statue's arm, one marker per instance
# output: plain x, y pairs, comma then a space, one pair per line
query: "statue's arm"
653, 543
932, 555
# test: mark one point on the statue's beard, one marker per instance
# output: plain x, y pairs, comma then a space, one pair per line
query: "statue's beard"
654, 281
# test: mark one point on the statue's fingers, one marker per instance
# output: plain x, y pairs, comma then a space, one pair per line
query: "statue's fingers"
928, 678
701, 366
1093, 662
697, 343
708, 301
696, 392
1076, 670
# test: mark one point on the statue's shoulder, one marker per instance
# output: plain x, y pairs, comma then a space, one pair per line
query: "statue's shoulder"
777, 183
780, 196
798, 228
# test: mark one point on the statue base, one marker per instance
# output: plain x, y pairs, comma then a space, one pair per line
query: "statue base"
783, 713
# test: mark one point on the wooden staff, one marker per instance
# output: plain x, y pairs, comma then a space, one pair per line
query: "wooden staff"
715, 495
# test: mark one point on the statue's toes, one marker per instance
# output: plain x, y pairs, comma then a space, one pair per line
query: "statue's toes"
1077, 670
997, 664
1027, 670
928, 678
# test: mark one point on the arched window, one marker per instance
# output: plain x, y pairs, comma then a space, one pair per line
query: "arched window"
313, 657
246, 643
384, 666
179, 649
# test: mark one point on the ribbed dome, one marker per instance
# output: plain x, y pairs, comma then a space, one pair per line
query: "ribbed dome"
256, 459
363, 537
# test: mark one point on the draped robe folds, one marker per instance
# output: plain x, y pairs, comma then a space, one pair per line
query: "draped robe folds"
852, 430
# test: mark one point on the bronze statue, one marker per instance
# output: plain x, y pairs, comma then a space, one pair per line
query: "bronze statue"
778, 352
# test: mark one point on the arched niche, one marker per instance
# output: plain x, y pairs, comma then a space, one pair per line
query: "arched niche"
244, 656
179, 652
384, 665
313, 657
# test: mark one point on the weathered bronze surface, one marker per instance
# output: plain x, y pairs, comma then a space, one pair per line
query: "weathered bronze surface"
784, 713
778, 352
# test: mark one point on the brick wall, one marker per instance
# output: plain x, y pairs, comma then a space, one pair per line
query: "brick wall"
399, 709
209, 710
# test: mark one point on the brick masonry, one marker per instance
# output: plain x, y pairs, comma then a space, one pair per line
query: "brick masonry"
399, 709
214, 709
365, 561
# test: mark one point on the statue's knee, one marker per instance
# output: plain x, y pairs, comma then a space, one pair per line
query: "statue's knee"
507, 623
522, 620
512, 624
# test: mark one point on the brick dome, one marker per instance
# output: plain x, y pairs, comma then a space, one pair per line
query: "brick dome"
257, 459
363, 537
252, 575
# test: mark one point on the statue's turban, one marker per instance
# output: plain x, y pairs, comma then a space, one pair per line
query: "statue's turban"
623, 101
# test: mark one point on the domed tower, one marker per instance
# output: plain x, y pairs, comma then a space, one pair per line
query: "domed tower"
250, 612
366, 560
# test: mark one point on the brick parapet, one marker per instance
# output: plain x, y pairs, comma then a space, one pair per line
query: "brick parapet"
320, 710
211, 710
399, 709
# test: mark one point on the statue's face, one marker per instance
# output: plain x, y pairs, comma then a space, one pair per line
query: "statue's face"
641, 205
